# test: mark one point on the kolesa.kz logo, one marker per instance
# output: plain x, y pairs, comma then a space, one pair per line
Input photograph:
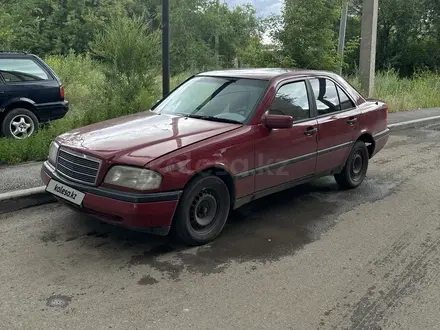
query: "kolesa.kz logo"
61, 190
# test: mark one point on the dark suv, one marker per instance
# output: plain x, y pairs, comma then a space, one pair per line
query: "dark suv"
30, 94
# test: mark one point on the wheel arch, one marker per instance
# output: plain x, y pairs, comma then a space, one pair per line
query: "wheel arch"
368, 139
24, 103
222, 173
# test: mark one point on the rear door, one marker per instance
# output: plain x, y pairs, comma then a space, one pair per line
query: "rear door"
284, 156
337, 123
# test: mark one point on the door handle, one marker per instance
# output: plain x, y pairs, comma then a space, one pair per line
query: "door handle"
310, 131
352, 121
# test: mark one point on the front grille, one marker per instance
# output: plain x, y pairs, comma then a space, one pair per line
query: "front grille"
78, 167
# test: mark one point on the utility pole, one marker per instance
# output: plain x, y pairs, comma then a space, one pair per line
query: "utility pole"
367, 60
165, 47
216, 37
342, 31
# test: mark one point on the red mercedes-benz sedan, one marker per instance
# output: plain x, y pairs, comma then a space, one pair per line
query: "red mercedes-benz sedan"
219, 140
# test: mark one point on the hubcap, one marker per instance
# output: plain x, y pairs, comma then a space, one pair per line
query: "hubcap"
21, 127
203, 210
357, 166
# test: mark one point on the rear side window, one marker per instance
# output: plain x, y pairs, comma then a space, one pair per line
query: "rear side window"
326, 96
346, 103
21, 70
329, 97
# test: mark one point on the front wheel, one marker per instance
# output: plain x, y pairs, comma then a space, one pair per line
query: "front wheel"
202, 212
355, 169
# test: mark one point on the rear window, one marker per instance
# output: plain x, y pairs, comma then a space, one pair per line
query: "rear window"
20, 70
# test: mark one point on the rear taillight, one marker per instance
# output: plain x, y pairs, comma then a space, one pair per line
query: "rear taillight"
62, 92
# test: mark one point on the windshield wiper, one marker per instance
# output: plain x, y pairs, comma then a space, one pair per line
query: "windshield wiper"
212, 118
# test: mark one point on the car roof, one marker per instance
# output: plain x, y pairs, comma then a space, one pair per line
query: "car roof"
264, 73
16, 54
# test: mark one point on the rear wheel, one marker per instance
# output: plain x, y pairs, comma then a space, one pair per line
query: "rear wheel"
19, 124
355, 169
203, 211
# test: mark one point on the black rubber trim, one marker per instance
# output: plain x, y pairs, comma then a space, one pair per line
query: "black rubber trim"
335, 148
291, 161
382, 134
273, 166
115, 194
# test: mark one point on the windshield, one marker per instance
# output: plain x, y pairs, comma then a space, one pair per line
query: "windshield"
232, 99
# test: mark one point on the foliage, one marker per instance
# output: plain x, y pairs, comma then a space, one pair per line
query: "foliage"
308, 34
418, 92
129, 54
408, 35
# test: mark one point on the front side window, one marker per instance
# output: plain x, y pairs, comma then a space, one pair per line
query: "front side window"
326, 96
21, 70
292, 100
215, 98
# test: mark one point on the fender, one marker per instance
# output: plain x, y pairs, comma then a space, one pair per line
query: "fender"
17, 100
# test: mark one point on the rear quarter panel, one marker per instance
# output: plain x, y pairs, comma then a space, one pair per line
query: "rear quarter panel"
373, 118
374, 121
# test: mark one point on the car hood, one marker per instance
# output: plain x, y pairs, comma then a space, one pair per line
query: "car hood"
140, 138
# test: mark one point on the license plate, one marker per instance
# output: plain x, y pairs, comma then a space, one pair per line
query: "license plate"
65, 192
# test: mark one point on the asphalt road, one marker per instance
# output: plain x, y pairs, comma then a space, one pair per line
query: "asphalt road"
20, 177
309, 258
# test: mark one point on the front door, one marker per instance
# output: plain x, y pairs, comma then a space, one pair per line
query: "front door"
337, 124
286, 155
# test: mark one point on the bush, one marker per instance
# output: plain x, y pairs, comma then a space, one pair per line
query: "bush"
402, 94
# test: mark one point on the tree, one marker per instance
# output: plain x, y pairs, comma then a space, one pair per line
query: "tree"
308, 33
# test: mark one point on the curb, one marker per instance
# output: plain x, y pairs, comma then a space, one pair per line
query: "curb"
414, 123
20, 199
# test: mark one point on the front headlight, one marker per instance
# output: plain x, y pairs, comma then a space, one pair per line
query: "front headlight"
53, 153
133, 178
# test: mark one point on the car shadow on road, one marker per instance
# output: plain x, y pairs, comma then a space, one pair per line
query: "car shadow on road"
263, 231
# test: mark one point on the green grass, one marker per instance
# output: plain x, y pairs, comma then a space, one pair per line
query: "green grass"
93, 99
403, 94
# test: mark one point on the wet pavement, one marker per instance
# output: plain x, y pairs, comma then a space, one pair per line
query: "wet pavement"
312, 257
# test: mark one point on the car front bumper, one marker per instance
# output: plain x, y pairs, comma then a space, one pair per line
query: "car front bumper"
151, 213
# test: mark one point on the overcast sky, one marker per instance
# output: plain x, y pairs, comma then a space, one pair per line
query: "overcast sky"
263, 7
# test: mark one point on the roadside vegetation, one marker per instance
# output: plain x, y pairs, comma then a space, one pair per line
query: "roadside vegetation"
108, 56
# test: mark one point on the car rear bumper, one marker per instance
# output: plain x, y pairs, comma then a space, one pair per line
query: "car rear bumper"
51, 111
146, 212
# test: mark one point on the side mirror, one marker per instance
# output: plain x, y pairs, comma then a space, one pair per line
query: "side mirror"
278, 121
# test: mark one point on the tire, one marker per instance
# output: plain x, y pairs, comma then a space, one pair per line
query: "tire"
24, 120
356, 167
202, 212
